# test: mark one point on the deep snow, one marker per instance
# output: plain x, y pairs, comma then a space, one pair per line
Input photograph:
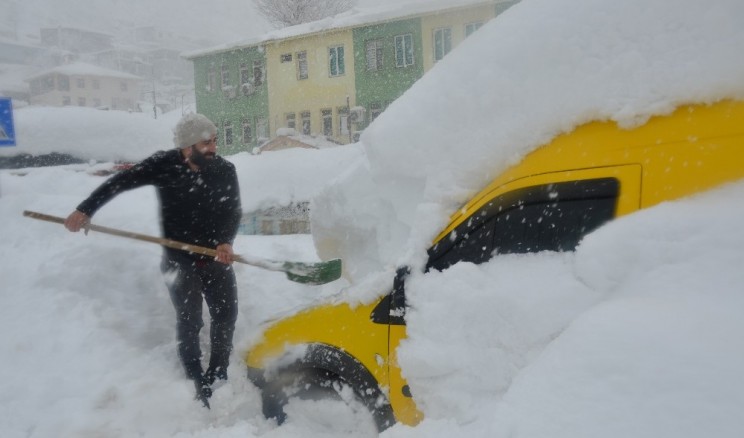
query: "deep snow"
637, 333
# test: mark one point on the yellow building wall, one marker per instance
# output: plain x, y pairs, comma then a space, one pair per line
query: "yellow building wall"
288, 94
455, 19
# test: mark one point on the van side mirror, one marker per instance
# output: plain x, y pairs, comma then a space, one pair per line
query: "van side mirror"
392, 307
398, 296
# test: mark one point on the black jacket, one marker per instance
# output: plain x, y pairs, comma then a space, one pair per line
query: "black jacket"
201, 208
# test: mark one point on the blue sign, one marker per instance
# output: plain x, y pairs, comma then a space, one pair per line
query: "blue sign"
7, 131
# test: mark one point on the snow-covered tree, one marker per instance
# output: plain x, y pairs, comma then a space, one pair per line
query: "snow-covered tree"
284, 13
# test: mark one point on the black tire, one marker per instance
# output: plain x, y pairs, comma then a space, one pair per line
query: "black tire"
310, 384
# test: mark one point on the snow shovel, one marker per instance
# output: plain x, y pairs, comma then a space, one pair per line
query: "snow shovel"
299, 272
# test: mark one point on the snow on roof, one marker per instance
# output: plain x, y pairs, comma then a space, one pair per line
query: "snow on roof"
83, 69
351, 18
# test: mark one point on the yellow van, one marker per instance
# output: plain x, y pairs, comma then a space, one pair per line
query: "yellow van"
547, 202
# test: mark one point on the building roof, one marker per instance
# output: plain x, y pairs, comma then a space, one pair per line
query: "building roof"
354, 17
83, 69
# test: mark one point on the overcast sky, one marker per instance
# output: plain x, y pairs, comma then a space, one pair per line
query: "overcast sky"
218, 21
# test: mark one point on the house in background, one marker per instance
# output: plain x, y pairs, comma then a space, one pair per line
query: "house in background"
311, 83
328, 78
81, 84
230, 88
18, 62
291, 219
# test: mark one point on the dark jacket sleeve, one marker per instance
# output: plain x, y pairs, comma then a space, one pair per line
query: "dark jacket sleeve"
233, 211
139, 175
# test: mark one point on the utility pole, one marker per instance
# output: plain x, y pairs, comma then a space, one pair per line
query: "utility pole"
348, 119
154, 100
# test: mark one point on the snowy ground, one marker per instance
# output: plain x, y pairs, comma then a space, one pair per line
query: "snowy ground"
636, 334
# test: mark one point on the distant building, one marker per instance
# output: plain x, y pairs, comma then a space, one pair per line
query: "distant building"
75, 40
80, 84
291, 219
164, 78
330, 78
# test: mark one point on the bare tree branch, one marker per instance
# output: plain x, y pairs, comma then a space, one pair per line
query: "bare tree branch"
284, 13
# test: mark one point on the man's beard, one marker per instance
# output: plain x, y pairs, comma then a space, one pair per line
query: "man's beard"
201, 160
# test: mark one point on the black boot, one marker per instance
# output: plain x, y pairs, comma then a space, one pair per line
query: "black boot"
203, 391
215, 373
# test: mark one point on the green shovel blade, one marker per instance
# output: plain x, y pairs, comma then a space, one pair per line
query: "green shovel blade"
313, 273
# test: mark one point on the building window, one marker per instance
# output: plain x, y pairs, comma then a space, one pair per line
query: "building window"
404, 50
211, 79
81, 101
305, 116
63, 83
262, 129
225, 75
336, 61
302, 65
66, 101
81, 82
123, 86
375, 109
245, 74
96, 84
47, 84
285, 57
442, 42
327, 116
472, 27
343, 120
247, 132
374, 55
96, 102
290, 118
228, 132
259, 73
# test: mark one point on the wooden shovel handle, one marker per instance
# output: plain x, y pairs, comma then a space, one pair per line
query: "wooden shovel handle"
121, 233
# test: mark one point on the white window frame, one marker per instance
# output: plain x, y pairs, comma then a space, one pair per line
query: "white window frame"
224, 75
375, 109
227, 133
259, 72
343, 120
211, 79
336, 61
307, 124
404, 52
290, 120
326, 116
63, 83
373, 54
470, 28
262, 128
442, 42
302, 67
245, 74
246, 124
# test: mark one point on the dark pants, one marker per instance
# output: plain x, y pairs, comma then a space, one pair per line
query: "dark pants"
189, 280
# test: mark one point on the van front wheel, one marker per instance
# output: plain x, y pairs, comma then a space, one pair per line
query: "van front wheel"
319, 400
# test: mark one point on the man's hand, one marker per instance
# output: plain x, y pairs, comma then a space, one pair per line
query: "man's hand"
76, 221
224, 253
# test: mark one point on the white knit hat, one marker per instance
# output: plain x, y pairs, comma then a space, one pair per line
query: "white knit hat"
191, 129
